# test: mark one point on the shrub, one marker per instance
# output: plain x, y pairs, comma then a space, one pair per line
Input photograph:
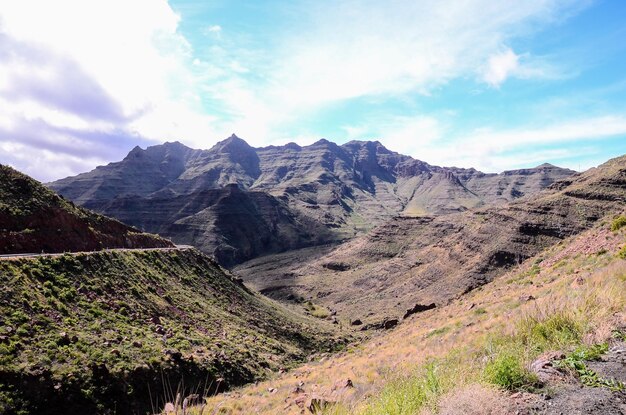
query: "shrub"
576, 362
507, 371
317, 311
552, 332
622, 252
618, 223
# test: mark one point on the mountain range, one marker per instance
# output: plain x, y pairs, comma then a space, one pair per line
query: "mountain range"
350, 239
237, 202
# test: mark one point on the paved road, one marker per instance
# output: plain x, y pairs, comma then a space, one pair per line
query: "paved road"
34, 255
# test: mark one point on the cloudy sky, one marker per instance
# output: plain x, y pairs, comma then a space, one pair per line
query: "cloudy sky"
490, 84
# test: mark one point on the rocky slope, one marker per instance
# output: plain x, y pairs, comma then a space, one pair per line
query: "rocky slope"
423, 260
229, 223
507, 348
118, 332
312, 194
34, 219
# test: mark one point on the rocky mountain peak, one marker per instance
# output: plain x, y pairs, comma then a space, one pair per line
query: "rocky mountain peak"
321, 142
232, 144
546, 165
292, 146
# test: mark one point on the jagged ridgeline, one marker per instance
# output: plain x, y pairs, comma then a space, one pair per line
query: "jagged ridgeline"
408, 260
35, 219
117, 331
237, 202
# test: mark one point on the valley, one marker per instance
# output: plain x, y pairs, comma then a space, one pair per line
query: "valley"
313, 207
116, 320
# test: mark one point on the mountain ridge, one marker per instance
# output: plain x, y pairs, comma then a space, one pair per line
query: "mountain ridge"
346, 189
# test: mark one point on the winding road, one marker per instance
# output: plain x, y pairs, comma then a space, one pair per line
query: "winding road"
34, 255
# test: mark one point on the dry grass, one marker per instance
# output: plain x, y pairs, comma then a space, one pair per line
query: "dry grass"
475, 399
442, 352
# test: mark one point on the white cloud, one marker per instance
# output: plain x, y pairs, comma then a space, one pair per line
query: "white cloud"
496, 150
127, 55
500, 66
134, 63
371, 48
406, 134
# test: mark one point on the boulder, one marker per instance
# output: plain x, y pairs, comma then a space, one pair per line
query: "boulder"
391, 323
418, 308
544, 367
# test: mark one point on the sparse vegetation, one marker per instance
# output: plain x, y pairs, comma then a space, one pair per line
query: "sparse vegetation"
137, 316
566, 320
576, 362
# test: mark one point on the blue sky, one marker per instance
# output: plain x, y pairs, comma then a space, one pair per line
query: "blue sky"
474, 83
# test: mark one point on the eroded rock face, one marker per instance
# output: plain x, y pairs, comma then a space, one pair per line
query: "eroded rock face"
34, 219
312, 194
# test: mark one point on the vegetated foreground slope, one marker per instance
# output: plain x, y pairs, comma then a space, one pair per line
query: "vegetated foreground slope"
484, 351
34, 219
424, 260
294, 196
118, 331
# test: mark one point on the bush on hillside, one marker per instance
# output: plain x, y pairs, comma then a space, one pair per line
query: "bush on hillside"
618, 223
507, 371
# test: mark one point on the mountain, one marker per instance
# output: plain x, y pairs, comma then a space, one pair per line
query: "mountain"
34, 219
116, 332
423, 260
230, 223
295, 196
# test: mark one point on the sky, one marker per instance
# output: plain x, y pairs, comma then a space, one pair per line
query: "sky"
494, 85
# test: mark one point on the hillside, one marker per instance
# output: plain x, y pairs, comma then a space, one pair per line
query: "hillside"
546, 337
302, 196
423, 260
229, 223
34, 219
120, 331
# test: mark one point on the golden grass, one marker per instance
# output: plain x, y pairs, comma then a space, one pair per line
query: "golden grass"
444, 351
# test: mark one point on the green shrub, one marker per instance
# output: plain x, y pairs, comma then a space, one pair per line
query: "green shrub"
618, 223
622, 252
507, 371
408, 395
317, 311
576, 362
